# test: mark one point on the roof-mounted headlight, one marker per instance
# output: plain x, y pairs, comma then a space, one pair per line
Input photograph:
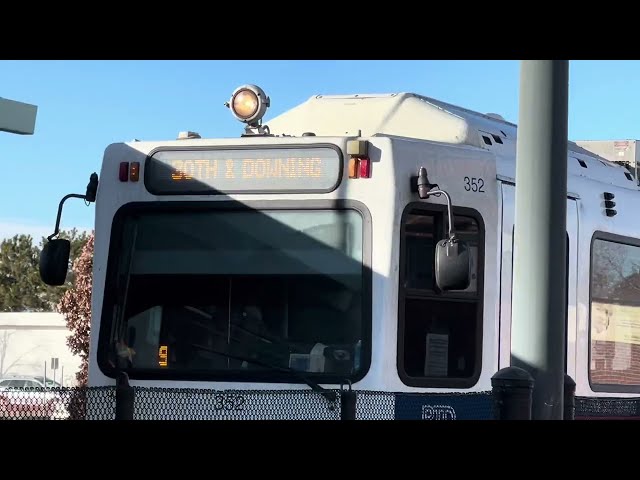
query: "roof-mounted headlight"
248, 104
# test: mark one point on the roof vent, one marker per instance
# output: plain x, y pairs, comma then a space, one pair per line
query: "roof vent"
188, 135
496, 116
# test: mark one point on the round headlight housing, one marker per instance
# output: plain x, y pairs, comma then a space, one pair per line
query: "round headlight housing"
249, 104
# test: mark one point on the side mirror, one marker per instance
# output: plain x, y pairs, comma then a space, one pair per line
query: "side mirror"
452, 264
452, 257
54, 261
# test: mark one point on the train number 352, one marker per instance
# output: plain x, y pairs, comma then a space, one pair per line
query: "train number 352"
228, 402
474, 184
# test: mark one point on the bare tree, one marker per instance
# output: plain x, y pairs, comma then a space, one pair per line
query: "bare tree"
4, 345
616, 269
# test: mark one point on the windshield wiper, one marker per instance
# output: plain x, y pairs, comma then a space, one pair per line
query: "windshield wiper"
329, 395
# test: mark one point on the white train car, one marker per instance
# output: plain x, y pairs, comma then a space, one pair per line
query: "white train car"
303, 254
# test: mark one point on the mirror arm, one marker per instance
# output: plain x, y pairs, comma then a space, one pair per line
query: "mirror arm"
64, 199
437, 193
452, 256
90, 197
425, 189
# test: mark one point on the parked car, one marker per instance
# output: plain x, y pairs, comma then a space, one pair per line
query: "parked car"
50, 382
28, 397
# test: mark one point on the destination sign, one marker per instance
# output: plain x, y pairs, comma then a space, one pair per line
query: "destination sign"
310, 169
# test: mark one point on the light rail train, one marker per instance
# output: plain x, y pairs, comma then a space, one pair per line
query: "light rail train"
362, 240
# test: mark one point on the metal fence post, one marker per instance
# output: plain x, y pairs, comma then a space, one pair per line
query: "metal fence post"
347, 404
125, 397
569, 398
512, 394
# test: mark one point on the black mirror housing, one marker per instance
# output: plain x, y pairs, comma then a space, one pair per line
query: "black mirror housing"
54, 261
452, 265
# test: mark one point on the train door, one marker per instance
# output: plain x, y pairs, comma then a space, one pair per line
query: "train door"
506, 280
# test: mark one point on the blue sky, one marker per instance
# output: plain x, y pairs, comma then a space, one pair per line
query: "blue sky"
83, 106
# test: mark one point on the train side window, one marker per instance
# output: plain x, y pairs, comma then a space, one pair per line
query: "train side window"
614, 314
439, 333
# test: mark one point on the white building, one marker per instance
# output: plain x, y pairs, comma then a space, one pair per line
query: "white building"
28, 343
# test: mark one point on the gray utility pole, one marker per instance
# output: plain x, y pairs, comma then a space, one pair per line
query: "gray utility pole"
539, 264
17, 117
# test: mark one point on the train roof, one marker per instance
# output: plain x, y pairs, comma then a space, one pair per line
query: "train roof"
410, 115
396, 114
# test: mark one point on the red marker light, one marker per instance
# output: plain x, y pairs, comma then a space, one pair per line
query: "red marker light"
124, 171
365, 168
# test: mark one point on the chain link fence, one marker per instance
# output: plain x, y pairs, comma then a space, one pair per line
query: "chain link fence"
140, 403
608, 408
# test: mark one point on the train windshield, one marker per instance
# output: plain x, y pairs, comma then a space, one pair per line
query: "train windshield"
194, 294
